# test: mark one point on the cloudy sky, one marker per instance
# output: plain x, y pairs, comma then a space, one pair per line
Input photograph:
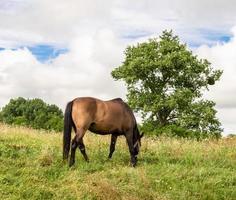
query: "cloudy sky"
60, 49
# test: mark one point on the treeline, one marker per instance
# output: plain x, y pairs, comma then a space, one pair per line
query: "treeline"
33, 113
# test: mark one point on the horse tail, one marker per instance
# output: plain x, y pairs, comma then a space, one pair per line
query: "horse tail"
68, 124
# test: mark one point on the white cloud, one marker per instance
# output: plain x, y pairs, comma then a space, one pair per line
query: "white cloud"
222, 56
83, 71
58, 21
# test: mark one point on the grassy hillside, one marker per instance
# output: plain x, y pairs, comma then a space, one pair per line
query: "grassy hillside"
31, 168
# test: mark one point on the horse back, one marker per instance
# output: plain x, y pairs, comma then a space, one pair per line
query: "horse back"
102, 117
119, 113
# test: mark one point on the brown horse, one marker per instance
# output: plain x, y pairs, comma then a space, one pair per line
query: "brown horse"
101, 117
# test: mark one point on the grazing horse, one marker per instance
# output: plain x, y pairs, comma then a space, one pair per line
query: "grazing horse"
101, 117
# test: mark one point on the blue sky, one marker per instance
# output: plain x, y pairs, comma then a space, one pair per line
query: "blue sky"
215, 36
43, 52
46, 52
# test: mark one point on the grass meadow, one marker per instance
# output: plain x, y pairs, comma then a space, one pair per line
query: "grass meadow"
31, 167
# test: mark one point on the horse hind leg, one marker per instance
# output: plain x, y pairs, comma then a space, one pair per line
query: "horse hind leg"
78, 141
82, 149
73, 148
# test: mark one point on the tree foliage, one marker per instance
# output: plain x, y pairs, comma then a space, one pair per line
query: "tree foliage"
33, 113
165, 83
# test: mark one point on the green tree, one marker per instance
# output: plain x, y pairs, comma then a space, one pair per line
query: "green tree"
165, 83
33, 113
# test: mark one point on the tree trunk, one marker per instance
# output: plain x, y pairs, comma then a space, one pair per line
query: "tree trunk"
163, 115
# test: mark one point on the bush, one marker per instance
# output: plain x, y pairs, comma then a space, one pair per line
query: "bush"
173, 130
33, 113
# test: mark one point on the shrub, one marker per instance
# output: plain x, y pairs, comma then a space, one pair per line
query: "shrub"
33, 113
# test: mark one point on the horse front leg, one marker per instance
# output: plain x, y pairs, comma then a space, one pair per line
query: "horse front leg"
112, 145
129, 139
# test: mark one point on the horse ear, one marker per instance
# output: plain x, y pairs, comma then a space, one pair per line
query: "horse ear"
141, 135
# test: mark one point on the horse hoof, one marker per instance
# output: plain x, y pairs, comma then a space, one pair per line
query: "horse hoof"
71, 163
133, 164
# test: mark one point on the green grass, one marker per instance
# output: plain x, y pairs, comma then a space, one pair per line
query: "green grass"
31, 167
